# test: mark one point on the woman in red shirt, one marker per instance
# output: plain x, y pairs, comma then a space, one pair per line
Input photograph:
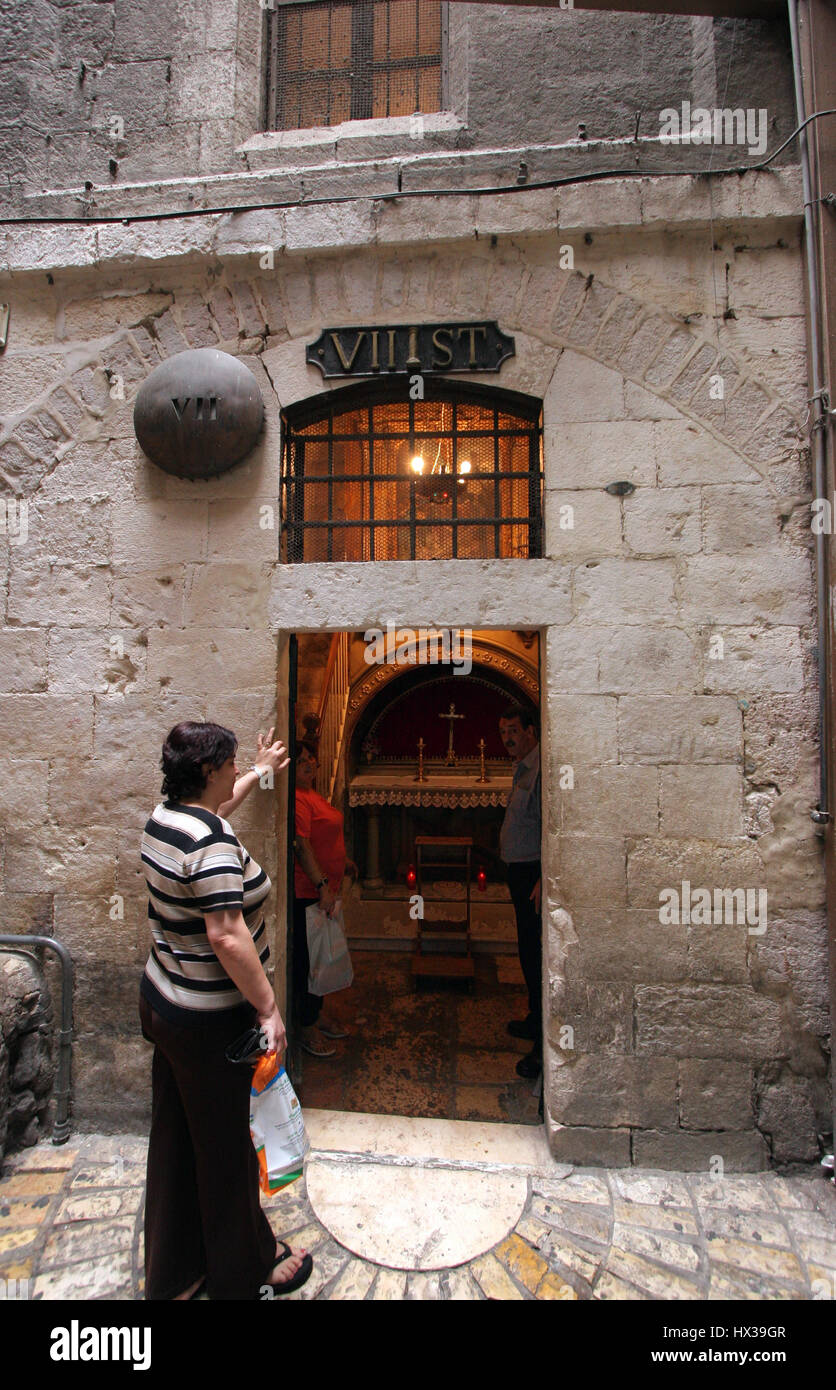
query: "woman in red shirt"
320, 868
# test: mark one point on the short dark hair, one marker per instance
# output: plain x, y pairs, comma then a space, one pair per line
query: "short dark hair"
186, 751
528, 719
307, 745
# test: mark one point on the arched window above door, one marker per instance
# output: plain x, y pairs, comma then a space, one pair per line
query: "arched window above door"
370, 475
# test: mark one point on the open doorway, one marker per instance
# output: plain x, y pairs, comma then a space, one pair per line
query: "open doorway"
409, 754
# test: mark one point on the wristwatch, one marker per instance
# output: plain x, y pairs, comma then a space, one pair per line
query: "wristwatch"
323, 882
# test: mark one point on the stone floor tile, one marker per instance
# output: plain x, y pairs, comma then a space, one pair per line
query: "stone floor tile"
286, 1212
425, 1287
23, 1211
676, 1219
822, 1282
593, 1222
575, 1187
658, 1282
389, 1286
524, 1263
727, 1282
759, 1259
98, 1278
749, 1193
110, 1148
31, 1184
748, 1225
457, 1286
658, 1189
12, 1241
551, 1286
509, 971
42, 1158
792, 1194
308, 1237
86, 1240
532, 1230
479, 1068
494, 1280
563, 1255
354, 1282
479, 1103
609, 1286
682, 1255
329, 1260
810, 1223
99, 1206
118, 1173
815, 1251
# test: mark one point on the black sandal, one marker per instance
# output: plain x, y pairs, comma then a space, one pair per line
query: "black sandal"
301, 1276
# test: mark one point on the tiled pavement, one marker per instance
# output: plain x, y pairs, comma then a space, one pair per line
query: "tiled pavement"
71, 1224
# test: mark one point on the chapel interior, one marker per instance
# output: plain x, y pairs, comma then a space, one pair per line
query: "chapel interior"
409, 750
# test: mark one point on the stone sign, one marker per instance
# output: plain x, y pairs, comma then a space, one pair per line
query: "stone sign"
199, 413
418, 348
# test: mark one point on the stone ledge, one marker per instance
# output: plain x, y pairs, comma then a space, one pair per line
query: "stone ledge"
581, 208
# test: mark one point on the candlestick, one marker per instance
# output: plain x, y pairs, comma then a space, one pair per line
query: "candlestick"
483, 776
421, 775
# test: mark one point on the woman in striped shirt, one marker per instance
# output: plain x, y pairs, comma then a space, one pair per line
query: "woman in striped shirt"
204, 984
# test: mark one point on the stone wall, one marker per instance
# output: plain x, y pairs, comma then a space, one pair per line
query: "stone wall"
27, 1070
109, 96
138, 599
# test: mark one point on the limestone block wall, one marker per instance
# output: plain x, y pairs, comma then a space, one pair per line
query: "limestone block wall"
686, 1042
108, 97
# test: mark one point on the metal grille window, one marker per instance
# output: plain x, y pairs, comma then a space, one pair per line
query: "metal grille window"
334, 62
455, 476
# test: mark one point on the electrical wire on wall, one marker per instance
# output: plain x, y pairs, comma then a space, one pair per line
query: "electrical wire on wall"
127, 219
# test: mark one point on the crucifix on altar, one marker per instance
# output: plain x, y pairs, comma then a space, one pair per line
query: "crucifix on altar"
451, 715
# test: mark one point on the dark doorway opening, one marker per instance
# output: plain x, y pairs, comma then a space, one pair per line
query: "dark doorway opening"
439, 1048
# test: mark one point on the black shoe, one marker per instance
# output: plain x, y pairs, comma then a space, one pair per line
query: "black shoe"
530, 1066
523, 1028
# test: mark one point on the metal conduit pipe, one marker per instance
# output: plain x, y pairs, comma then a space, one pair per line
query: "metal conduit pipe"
61, 1131
818, 404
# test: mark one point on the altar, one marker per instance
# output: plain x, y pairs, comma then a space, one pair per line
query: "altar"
387, 786
395, 807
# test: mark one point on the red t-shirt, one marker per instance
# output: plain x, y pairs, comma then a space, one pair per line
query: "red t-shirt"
318, 822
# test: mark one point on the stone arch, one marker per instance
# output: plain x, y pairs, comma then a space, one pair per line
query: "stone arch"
268, 315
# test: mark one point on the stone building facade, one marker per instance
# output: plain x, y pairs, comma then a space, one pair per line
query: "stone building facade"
677, 620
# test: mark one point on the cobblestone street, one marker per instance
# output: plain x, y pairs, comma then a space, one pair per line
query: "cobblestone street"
71, 1224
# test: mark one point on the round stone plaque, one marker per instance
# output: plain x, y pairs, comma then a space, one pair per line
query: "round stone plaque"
199, 413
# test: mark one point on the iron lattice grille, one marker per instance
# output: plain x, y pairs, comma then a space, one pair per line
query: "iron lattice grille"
350, 489
334, 62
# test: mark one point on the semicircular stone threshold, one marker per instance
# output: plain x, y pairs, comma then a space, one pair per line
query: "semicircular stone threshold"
414, 1218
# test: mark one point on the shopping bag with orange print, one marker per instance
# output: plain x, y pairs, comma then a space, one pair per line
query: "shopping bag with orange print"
276, 1125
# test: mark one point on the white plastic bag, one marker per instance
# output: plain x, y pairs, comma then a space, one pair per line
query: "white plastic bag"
276, 1125
330, 963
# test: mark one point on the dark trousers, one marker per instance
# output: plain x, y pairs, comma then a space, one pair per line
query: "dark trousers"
202, 1210
307, 1006
521, 880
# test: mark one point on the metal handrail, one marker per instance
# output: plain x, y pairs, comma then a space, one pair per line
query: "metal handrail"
61, 1091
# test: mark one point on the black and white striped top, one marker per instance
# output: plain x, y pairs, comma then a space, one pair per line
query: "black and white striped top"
194, 863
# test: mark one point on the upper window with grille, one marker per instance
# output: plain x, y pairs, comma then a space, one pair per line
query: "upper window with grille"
333, 62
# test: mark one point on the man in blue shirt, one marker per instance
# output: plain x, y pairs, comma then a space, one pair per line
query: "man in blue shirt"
519, 846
